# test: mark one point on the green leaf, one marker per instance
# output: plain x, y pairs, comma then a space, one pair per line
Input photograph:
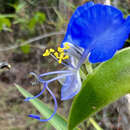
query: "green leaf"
7, 15
31, 24
17, 6
38, 18
57, 121
108, 82
25, 49
4, 22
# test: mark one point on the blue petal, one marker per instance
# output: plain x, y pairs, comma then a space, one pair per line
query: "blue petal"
76, 14
101, 29
71, 86
109, 42
127, 24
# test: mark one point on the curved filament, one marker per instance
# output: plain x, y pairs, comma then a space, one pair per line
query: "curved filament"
54, 72
67, 65
45, 86
55, 109
45, 83
59, 77
30, 98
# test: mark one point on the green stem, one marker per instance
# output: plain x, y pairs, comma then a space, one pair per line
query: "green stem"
94, 123
88, 66
83, 75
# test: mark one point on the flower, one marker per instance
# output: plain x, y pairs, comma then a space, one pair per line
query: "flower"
99, 29
96, 32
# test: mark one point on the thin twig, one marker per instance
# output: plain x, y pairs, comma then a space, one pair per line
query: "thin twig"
31, 40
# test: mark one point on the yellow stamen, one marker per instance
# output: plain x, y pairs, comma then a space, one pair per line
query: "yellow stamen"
62, 57
59, 49
52, 50
56, 55
66, 57
62, 54
60, 61
47, 53
59, 54
66, 46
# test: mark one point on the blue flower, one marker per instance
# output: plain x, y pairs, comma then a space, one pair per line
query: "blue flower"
95, 32
99, 29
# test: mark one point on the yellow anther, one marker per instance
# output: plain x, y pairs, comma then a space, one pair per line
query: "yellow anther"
66, 46
59, 54
51, 50
59, 49
66, 57
62, 54
56, 55
60, 61
47, 53
62, 57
